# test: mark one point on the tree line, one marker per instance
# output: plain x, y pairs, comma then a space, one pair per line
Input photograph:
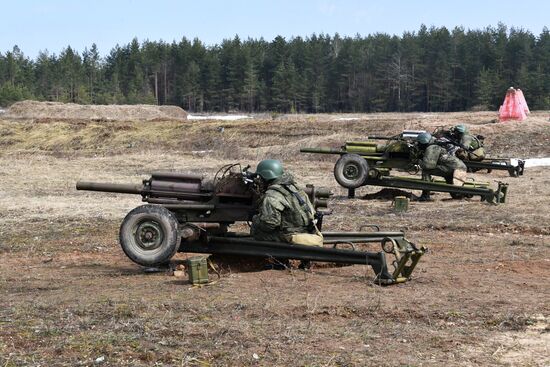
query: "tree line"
432, 69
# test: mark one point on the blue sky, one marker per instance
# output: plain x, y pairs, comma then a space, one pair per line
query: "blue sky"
39, 25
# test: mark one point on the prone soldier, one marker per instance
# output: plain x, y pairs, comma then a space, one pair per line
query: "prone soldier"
459, 142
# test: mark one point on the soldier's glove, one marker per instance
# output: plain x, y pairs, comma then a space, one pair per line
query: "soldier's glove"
461, 154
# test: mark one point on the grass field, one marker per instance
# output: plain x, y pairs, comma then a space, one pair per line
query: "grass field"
69, 296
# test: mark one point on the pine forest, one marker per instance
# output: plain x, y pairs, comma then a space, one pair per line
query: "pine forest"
432, 69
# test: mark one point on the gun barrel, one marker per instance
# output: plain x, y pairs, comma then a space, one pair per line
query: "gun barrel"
109, 187
376, 137
322, 150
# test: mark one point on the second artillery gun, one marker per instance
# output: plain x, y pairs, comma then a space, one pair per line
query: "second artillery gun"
370, 162
187, 213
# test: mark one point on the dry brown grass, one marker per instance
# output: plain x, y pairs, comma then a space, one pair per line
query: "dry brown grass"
69, 295
254, 139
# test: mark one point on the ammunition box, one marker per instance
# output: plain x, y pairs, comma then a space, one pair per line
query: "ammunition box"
401, 204
197, 269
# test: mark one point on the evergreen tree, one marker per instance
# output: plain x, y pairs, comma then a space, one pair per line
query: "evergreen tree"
433, 69
91, 64
251, 85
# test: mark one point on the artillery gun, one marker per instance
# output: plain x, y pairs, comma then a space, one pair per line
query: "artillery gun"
186, 213
370, 162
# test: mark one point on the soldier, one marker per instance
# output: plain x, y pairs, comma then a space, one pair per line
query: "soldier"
460, 135
285, 212
285, 209
437, 161
459, 142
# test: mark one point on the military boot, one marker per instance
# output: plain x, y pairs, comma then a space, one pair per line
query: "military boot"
277, 264
426, 196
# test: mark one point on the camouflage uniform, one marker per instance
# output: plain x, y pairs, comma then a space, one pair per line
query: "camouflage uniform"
465, 146
459, 140
472, 148
285, 210
438, 162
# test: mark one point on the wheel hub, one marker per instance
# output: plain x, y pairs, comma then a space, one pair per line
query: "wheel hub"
351, 171
149, 235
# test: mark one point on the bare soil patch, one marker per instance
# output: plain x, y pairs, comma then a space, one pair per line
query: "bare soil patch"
52, 111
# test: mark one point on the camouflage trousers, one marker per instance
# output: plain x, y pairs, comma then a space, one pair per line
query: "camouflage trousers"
277, 236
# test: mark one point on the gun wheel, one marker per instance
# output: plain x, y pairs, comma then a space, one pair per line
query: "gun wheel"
149, 235
351, 171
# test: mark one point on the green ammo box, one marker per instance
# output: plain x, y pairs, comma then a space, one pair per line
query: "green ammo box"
401, 204
197, 269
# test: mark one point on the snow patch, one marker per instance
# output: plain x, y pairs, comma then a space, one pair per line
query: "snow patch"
537, 162
347, 119
532, 162
2, 111
218, 117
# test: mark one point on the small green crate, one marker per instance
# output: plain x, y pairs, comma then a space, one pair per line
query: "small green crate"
401, 204
197, 269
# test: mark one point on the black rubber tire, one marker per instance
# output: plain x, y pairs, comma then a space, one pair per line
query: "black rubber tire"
149, 220
351, 171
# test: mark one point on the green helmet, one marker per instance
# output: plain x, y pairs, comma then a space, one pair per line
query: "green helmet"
424, 138
461, 129
269, 169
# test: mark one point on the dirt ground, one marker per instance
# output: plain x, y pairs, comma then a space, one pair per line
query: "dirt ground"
55, 111
69, 296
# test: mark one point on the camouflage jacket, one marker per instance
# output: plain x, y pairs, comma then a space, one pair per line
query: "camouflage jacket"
284, 210
465, 141
437, 158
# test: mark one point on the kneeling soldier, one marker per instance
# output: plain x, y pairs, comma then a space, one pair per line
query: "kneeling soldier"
285, 213
285, 210
437, 161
